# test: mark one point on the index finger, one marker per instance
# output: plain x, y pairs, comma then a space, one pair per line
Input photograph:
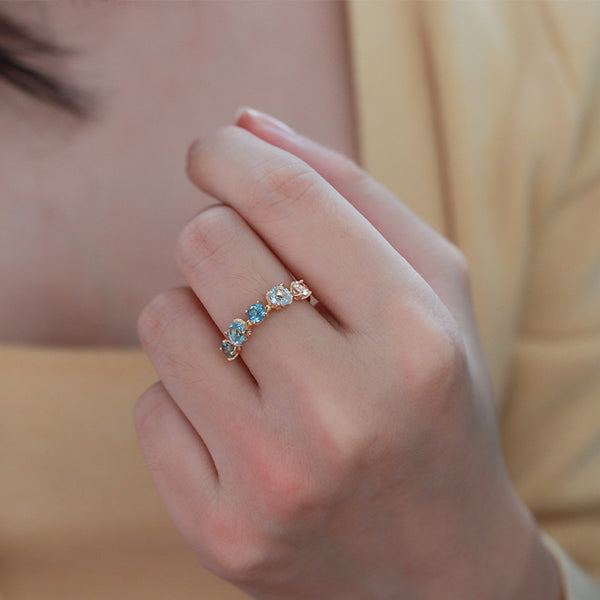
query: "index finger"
315, 231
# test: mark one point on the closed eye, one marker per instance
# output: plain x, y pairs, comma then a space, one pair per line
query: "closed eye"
17, 45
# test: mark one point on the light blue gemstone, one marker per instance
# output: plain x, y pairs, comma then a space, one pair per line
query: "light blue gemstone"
236, 332
257, 312
279, 295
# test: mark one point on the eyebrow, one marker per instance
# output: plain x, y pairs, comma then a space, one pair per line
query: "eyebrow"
18, 42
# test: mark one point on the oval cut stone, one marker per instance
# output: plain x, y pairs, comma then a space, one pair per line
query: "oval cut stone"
237, 332
228, 349
300, 290
279, 296
256, 313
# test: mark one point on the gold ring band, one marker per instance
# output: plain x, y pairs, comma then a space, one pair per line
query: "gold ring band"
277, 297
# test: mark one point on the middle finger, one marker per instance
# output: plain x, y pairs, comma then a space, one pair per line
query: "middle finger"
314, 230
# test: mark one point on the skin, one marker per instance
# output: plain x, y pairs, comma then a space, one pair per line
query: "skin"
352, 450
90, 209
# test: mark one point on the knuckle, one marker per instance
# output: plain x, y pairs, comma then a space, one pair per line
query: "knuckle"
150, 324
243, 564
235, 549
439, 359
159, 314
147, 404
287, 492
350, 442
279, 185
207, 236
146, 418
286, 485
359, 447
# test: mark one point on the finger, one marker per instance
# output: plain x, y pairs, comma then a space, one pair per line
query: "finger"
178, 460
424, 248
230, 268
314, 231
436, 259
218, 398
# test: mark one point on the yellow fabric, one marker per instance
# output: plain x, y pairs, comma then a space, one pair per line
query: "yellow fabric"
483, 118
79, 516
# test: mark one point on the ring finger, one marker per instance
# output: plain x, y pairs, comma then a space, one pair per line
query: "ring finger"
230, 268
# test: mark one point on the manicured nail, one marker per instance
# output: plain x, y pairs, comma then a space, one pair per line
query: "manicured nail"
262, 118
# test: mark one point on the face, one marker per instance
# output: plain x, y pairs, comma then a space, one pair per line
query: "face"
91, 207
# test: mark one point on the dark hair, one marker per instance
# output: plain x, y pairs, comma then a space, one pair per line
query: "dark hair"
17, 44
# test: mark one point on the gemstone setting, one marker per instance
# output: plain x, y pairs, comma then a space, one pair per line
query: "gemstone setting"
300, 290
279, 296
237, 332
257, 313
229, 350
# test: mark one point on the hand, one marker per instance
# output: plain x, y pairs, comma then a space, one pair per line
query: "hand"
351, 451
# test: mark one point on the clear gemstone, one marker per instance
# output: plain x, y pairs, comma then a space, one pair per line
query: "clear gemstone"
279, 296
256, 313
236, 332
300, 289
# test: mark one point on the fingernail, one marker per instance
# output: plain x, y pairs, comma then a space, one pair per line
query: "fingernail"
262, 118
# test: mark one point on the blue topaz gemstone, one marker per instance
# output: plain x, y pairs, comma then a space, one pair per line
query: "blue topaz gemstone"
279, 296
256, 313
237, 332
228, 349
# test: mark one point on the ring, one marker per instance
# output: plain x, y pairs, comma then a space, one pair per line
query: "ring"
277, 298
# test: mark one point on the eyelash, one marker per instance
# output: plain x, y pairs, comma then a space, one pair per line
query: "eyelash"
16, 40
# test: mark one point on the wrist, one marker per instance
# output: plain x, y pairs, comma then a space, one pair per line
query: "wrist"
501, 555
520, 566
529, 569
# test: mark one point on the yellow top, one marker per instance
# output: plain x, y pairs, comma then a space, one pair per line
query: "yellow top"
485, 119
